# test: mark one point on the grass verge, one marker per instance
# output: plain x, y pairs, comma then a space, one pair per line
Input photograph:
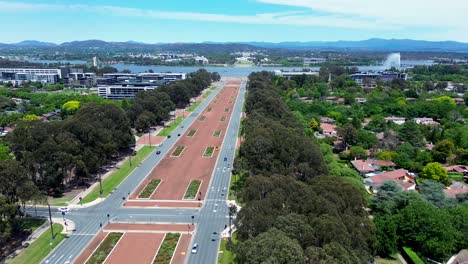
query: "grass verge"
217, 133
105, 248
192, 190
412, 255
208, 152
167, 249
191, 133
31, 224
205, 95
213, 88
149, 189
62, 201
380, 260
193, 106
40, 248
111, 182
226, 255
173, 125
223, 118
455, 176
202, 118
177, 151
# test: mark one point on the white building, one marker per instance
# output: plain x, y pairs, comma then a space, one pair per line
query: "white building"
289, 74
119, 92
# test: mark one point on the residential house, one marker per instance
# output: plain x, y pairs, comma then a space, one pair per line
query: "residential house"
396, 120
400, 176
425, 121
456, 188
372, 165
458, 168
328, 130
327, 120
360, 100
334, 99
459, 100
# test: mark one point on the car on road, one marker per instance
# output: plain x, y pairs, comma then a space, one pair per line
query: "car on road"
178, 135
158, 152
63, 209
194, 248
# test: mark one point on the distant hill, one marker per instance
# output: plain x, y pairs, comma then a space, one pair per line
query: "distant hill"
371, 45
375, 44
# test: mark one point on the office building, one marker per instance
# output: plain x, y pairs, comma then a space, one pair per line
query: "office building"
369, 79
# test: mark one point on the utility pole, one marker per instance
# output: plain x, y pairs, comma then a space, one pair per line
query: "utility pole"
50, 220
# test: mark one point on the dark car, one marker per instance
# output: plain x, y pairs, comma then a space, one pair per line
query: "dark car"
158, 152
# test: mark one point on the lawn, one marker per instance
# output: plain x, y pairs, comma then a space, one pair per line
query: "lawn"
167, 248
205, 95
62, 201
172, 125
40, 248
217, 133
178, 150
111, 182
223, 118
191, 133
192, 190
208, 152
193, 106
227, 256
149, 189
202, 118
380, 260
31, 224
105, 248
455, 176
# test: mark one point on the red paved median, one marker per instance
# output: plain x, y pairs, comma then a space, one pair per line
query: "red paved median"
177, 172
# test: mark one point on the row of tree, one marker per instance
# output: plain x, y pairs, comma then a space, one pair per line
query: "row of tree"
293, 212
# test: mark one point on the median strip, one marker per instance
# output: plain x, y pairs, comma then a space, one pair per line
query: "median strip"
192, 189
149, 189
167, 249
104, 249
171, 127
217, 133
178, 151
191, 133
208, 152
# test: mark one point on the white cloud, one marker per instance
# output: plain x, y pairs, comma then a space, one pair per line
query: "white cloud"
279, 18
435, 13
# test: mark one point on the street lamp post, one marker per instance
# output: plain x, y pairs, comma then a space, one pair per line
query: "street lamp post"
50, 220
193, 217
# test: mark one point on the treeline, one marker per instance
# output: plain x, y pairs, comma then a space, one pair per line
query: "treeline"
293, 212
57, 153
428, 222
152, 107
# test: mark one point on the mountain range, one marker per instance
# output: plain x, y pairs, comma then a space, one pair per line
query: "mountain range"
363, 45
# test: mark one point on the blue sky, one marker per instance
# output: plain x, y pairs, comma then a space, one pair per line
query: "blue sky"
154, 21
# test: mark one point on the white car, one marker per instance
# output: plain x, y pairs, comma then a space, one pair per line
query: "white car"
194, 248
63, 209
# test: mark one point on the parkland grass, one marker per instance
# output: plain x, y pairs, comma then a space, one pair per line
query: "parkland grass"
223, 118
40, 248
208, 152
31, 224
105, 248
192, 190
191, 133
227, 256
171, 127
202, 118
217, 133
205, 95
193, 106
177, 151
167, 249
118, 176
149, 189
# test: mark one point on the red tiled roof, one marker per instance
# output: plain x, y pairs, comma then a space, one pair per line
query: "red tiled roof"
399, 176
456, 188
328, 128
457, 168
363, 166
384, 163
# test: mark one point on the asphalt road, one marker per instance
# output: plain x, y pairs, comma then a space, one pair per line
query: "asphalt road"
211, 218
215, 214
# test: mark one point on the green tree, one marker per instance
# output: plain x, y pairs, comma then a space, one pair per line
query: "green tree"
436, 172
443, 150
71, 107
313, 124
30, 117
386, 235
411, 133
272, 246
